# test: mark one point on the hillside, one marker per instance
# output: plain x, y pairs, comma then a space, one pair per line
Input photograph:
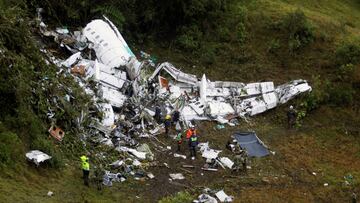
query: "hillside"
243, 41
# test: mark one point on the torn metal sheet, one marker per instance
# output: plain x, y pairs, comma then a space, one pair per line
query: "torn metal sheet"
175, 73
37, 156
109, 116
205, 198
289, 90
223, 197
72, 60
115, 97
226, 162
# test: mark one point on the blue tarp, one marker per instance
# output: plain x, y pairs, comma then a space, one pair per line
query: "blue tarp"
253, 145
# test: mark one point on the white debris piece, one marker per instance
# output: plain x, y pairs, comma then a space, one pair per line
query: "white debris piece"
210, 153
50, 193
180, 155
115, 97
37, 156
139, 155
109, 116
71, 60
227, 162
136, 163
176, 176
150, 175
205, 198
203, 87
223, 197
117, 163
289, 90
175, 73
110, 47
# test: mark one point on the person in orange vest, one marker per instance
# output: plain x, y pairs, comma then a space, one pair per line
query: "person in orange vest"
190, 132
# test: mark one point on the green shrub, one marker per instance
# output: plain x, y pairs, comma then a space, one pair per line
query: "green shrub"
274, 45
207, 53
9, 148
190, 39
346, 72
348, 53
241, 32
300, 31
341, 94
180, 197
317, 96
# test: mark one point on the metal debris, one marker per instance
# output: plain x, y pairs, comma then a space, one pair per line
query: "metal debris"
37, 156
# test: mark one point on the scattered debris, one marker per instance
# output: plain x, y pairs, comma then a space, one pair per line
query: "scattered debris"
50, 193
37, 156
227, 162
150, 175
56, 133
176, 176
180, 155
205, 198
223, 197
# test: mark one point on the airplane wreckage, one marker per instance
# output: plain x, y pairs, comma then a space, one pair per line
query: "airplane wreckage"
136, 87
129, 91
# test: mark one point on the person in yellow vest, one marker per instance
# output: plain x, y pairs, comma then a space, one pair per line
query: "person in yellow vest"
85, 168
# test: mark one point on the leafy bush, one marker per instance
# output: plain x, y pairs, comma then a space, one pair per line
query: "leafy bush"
341, 94
207, 53
348, 53
9, 148
346, 73
274, 45
190, 39
180, 197
317, 96
301, 32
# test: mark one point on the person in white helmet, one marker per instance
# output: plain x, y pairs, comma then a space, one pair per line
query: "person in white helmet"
291, 116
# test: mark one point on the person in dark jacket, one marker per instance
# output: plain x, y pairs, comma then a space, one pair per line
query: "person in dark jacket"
157, 116
193, 144
167, 123
291, 116
175, 117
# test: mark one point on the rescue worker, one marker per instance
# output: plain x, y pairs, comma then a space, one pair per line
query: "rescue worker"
85, 168
179, 140
157, 115
99, 174
175, 117
291, 116
167, 123
241, 159
193, 144
190, 132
